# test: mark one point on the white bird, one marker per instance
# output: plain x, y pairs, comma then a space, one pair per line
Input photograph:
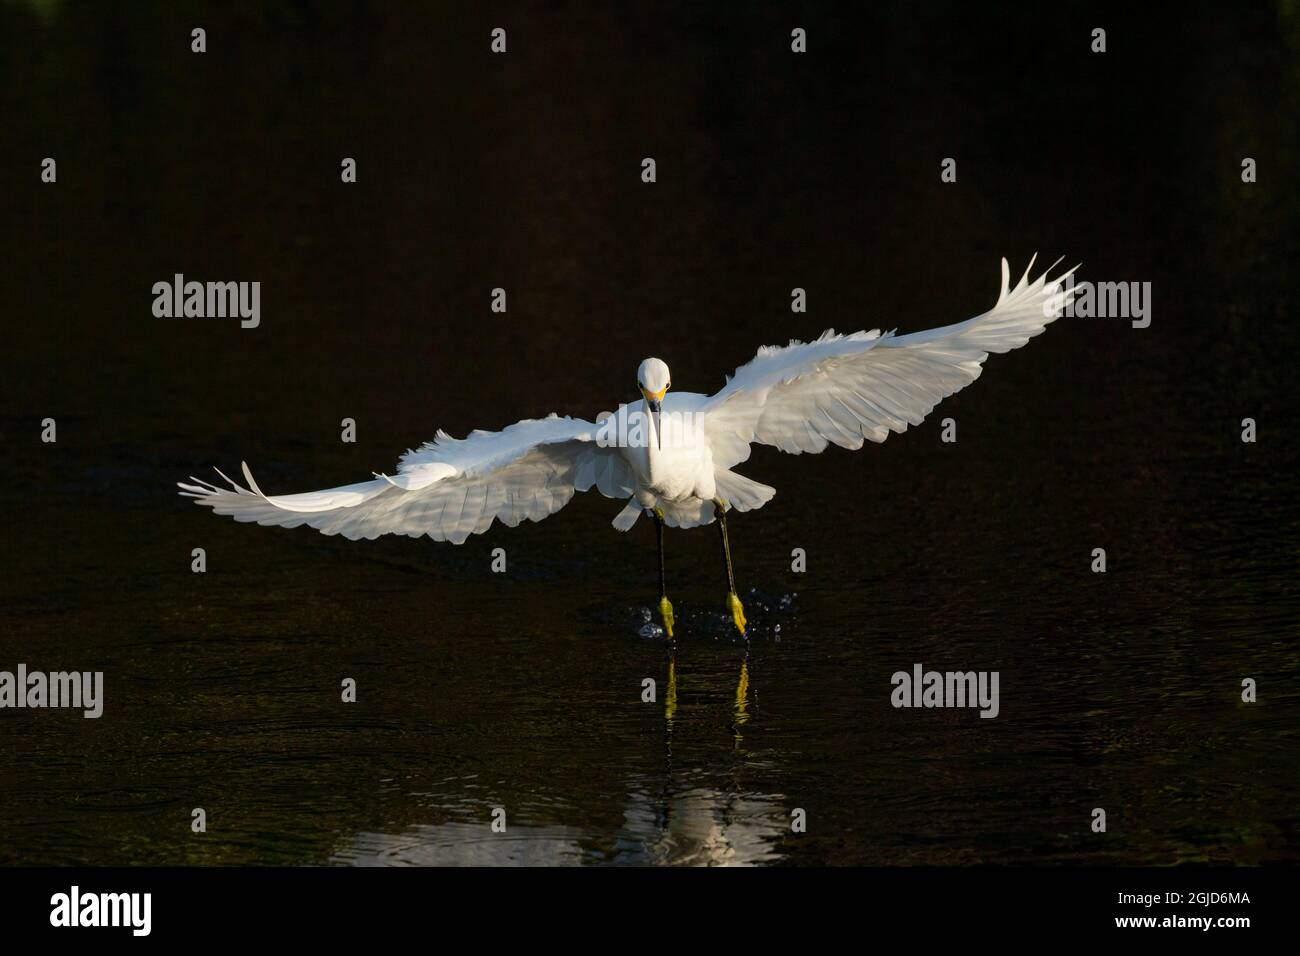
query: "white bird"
671, 456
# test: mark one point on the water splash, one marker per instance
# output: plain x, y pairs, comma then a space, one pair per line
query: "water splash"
709, 623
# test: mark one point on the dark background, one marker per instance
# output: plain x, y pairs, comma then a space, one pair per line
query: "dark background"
522, 690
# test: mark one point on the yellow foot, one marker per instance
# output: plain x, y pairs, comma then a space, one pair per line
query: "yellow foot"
666, 612
737, 612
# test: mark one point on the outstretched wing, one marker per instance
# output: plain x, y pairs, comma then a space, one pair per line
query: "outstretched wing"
843, 389
449, 488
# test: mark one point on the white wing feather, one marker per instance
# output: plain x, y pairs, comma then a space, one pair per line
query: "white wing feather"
842, 389
448, 489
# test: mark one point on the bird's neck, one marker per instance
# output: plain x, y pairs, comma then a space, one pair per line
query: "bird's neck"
652, 439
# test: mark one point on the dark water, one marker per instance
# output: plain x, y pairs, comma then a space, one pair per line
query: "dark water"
523, 691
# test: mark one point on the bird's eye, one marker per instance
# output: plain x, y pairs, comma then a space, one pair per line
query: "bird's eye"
668, 386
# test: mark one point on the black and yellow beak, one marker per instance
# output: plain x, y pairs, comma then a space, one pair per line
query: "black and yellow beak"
655, 401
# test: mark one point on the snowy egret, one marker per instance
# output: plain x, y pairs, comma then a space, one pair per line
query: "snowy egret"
670, 455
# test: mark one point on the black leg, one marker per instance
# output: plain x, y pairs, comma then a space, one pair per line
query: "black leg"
665, 606
733, 602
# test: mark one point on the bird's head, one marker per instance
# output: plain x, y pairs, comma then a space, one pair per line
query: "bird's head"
655, 381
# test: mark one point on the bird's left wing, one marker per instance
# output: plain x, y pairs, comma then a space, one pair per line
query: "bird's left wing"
449, 488
842, 389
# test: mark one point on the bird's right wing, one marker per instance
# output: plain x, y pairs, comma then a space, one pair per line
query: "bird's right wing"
449, 488
842, 389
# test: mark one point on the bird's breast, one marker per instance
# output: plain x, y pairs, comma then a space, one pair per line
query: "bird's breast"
677, 473
671, 458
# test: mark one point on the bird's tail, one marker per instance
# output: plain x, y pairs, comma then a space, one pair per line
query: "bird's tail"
743, 494
624, 520
739, 492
